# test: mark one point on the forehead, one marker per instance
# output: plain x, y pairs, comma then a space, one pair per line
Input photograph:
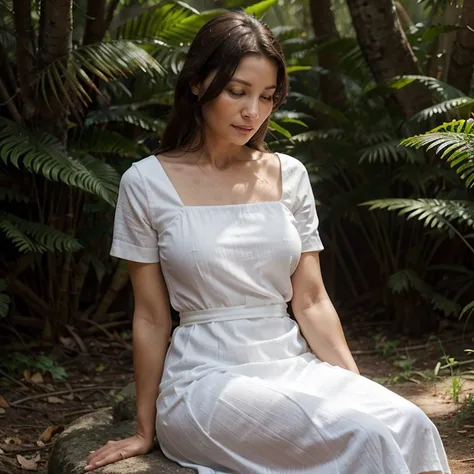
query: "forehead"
256, 68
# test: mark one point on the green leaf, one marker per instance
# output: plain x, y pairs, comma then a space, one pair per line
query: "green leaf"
4, 299
274, 127
467, 309
259, 9
453, 141
30, 236
43, 154
451, 108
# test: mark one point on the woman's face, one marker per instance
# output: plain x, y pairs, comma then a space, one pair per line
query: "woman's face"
237, 113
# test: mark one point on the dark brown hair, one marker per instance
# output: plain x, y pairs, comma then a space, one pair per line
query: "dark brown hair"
219, 47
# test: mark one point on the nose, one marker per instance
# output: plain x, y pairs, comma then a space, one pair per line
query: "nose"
250, 111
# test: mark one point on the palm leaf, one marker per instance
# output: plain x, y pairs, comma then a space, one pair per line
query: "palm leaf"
43, 154
4, 299
172, 23
450, 107
259, 9
30, 236
455, 142
108, 61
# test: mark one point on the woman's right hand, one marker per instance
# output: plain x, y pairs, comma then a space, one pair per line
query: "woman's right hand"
115, 451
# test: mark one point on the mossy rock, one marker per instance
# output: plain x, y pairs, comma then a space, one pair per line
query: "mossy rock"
87, 433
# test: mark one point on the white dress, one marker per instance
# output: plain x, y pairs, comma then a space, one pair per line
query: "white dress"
241, 393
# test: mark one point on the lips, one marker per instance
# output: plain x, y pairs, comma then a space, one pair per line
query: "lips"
243, 128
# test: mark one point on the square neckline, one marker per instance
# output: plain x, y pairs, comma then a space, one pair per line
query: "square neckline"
236, 205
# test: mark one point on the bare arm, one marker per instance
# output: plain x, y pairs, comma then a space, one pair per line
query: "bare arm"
317, 316
151, 331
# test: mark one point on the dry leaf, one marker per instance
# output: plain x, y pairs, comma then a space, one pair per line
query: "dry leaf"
26, 374
48, 433
2, 411
69, 396
3, 403
37, 378
55, 400
2, 451
11, 440
40, 443
28, 464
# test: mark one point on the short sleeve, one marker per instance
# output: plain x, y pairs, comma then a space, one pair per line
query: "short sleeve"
134, 237
307, 221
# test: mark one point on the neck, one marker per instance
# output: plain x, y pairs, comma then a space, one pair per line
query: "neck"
219, 153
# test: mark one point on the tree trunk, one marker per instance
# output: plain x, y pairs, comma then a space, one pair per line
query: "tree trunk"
98, 20
462, 58
387, 51
332, 88
25, 55
55, 43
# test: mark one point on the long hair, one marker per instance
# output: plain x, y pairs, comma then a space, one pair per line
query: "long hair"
219, 47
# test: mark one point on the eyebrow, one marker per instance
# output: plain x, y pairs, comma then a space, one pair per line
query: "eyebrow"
235, 79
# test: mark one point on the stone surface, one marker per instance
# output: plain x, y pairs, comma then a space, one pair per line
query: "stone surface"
73, 445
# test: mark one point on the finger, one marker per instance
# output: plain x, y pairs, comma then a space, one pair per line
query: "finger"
110, 458
99, 453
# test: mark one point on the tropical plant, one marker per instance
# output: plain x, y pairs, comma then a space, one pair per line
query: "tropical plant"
454, 142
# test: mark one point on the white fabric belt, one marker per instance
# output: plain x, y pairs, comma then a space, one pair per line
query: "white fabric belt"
278, 310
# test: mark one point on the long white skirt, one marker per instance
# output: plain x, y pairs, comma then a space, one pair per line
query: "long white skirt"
241, 393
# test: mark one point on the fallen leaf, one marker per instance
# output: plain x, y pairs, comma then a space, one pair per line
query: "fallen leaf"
40, 443
2, 411
70, 396
48, 433
26, 374
3, 403
11, 440
55, 400
37, 378
28, 464
2, 451
100, 368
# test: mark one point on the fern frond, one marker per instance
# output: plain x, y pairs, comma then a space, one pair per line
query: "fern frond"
109, 61
34, 237
318, 135
407, 279
319, 106
451, 108
124, 114
440, 89
455, 142
95, 140
10, 194
433, 213
44, 154
4, 299
386, 152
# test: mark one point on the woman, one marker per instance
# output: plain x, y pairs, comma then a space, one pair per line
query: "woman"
228, 233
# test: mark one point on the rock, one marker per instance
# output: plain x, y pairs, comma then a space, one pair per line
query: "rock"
73, 445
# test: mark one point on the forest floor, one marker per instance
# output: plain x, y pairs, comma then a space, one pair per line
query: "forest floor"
34, 407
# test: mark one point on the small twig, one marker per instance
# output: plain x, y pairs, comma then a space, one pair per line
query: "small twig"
467, 460
77, 339
19, 382
60, 392
87, 410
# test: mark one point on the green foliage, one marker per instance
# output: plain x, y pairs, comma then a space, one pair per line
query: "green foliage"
4, 299
455, 142
33, 237
43, 154
17, 362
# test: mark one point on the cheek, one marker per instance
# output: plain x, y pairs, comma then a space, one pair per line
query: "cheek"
219, 110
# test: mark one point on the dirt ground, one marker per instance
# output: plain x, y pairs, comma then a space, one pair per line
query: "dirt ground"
34, 407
